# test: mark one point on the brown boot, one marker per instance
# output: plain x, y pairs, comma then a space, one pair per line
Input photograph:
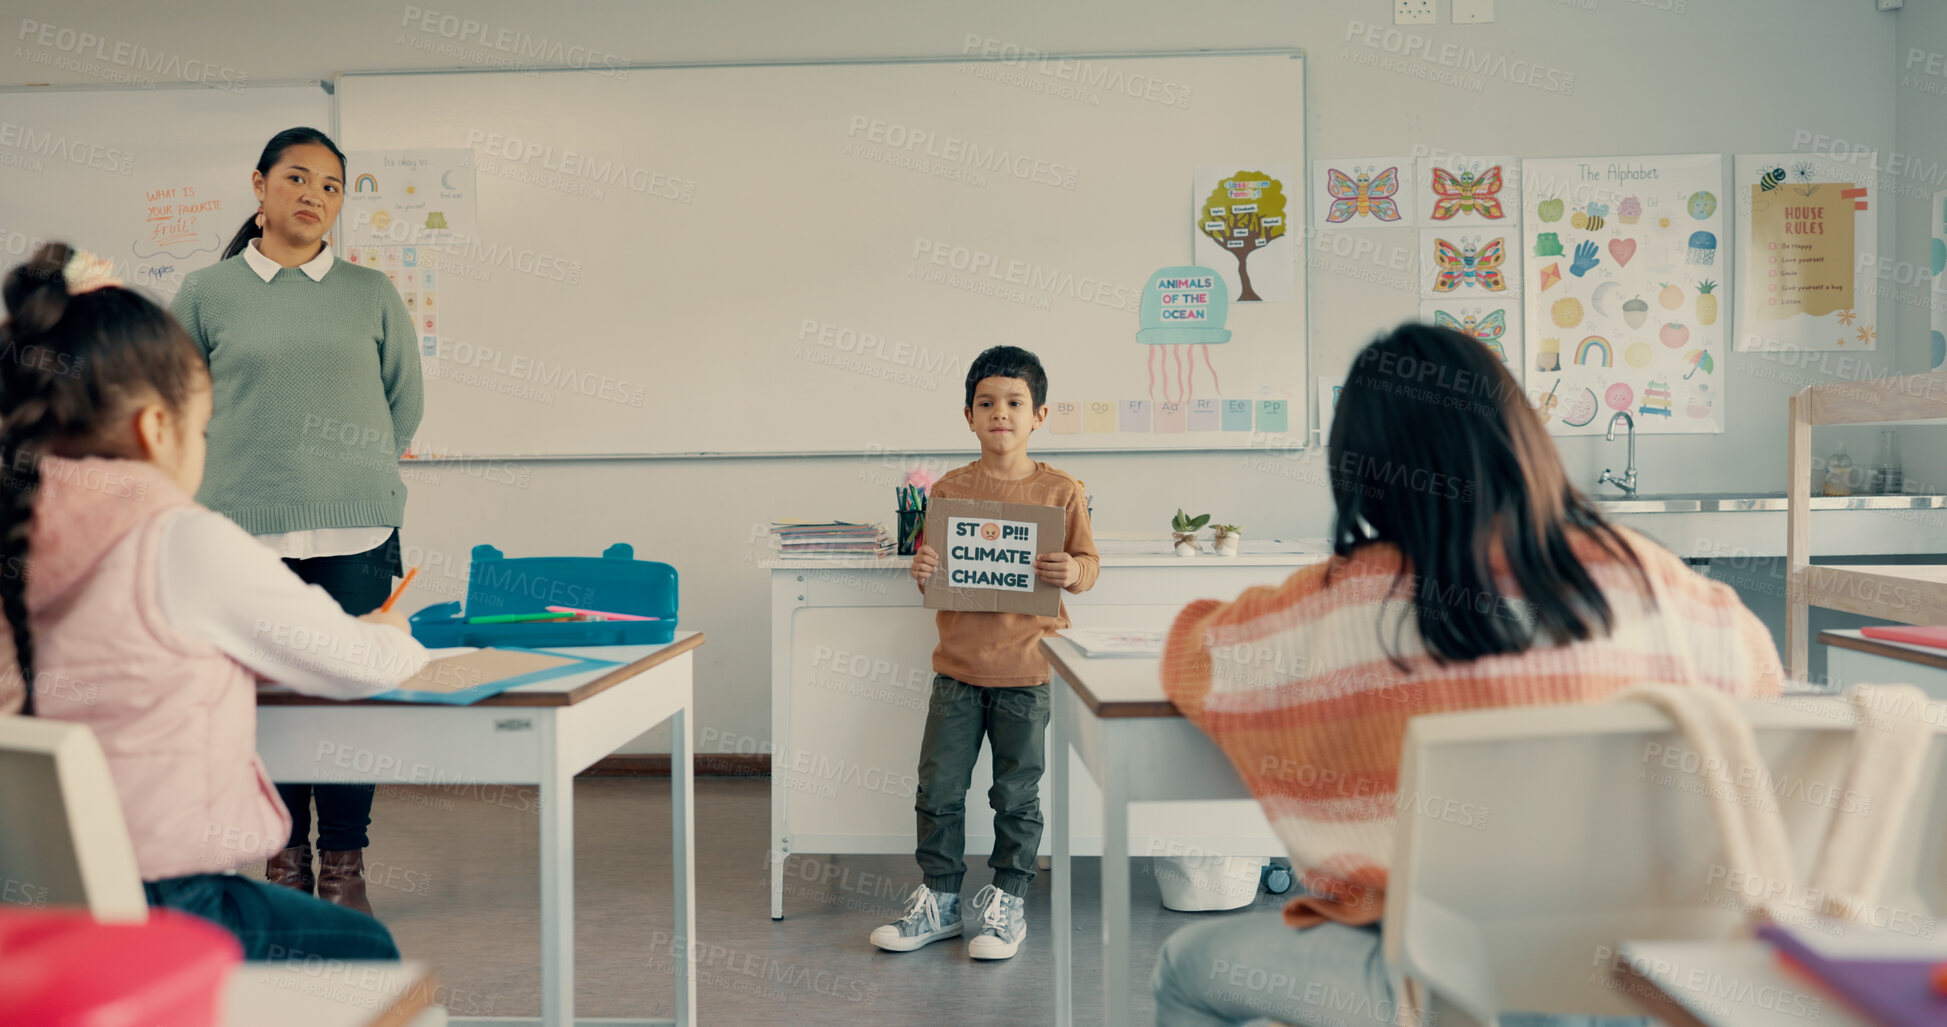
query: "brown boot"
291, 869
341, 879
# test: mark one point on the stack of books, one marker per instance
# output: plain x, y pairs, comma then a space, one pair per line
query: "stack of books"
832, 538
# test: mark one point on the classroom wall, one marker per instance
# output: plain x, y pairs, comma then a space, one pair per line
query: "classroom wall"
1722, 76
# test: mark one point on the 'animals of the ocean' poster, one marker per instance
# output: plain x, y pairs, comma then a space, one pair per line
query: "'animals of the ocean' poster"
1625, 279
1810, 232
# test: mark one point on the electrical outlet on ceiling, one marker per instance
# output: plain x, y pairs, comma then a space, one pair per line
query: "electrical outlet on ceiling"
1413, 12
1472, 12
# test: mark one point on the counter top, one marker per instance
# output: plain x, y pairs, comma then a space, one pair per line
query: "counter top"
1741, 502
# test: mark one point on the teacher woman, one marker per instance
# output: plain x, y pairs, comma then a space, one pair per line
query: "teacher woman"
317, 394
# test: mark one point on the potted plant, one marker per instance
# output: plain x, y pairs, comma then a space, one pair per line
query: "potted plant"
1185, 528
1227, 537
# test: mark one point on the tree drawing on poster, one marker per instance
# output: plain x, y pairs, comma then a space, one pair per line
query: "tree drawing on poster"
1808, 230
1495, 322
1240, 213
1622, 305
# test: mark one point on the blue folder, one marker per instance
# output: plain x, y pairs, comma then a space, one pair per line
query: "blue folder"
485, 689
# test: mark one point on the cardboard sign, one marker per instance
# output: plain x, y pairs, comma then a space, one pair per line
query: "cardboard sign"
987, 552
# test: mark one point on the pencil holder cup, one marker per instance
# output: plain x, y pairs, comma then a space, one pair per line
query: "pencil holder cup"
912, 523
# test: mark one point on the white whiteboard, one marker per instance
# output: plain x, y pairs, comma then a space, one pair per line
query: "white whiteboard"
155, 180
765, 259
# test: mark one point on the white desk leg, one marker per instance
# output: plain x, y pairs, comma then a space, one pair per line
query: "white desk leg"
557, 787
1064, 929
682, 824
1115, 880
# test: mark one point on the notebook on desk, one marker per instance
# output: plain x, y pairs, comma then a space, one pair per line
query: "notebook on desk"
1885, 975
461, 676
1098, 643
1934, 635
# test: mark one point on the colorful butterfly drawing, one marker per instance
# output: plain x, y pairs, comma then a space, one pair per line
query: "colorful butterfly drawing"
1365, 196
1467, 194
1477, 267
1487, 329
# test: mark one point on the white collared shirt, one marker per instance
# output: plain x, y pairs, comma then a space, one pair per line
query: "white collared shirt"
303, 545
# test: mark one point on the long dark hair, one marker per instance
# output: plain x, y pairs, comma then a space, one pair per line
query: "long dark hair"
70, 365
274, 152
1436, 450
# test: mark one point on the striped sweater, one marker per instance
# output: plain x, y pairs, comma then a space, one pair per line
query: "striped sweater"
1294, 683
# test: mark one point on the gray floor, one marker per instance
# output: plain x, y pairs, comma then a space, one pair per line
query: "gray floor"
455, 875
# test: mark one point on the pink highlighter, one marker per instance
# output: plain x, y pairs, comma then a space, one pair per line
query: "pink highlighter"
597, 614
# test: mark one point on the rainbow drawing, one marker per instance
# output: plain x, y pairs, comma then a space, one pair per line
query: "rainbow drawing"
1591, 344
365, 184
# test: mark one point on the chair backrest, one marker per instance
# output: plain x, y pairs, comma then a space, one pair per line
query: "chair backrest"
1531, 842
63, 841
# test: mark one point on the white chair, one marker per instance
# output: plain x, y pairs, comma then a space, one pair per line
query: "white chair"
1531, 842
62, 838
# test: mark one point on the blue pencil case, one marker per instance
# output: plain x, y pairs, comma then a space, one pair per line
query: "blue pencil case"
615, 582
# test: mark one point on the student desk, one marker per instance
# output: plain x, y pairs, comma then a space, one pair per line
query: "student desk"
1723, 984
337, 994
852, 670
540, 734
1851, 658
1138, 748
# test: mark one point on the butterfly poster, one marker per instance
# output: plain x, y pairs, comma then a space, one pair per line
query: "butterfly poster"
1809, 226
1363, 192
1624, 297
1495, 323
1469, 264
1454, 190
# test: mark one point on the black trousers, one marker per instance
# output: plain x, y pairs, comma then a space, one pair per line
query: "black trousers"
360, 582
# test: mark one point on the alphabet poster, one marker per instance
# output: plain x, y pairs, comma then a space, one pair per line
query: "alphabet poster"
1625, 283
1811, 246
987, 552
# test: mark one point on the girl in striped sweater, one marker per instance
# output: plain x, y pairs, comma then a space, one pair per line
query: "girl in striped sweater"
1466, 573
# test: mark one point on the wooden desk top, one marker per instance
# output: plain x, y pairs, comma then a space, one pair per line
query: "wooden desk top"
341, 994
1906, 652
566, 690
1113, 686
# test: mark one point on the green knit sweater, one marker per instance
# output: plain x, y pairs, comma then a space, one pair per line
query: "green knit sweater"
317, 394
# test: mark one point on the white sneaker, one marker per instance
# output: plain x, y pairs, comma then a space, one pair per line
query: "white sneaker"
930, 916
1003, 924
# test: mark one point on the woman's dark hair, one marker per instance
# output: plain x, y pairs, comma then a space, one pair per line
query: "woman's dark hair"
274, 152
1008, 362
69, 366
1436, 450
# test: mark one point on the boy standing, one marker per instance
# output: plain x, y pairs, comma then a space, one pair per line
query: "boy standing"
990, 679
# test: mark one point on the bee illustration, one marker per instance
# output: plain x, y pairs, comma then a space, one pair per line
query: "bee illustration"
1770, 179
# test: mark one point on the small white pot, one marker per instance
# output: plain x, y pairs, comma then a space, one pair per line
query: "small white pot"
1227, 546
1186, 549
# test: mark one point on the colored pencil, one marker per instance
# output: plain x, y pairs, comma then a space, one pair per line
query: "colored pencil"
386, 607
518, 618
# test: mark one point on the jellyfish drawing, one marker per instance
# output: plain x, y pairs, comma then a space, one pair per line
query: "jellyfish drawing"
1182, 312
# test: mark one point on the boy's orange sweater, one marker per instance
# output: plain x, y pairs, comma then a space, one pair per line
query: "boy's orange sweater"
1294, 683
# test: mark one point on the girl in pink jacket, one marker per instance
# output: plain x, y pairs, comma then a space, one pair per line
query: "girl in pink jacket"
151, 619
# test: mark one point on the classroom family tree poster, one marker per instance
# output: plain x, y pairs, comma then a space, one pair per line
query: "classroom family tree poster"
1624, 279
1242, 220
1810, 236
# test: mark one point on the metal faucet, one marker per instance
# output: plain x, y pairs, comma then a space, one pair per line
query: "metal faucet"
1627, 483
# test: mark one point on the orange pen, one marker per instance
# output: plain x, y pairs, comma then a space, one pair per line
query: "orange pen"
386, 607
